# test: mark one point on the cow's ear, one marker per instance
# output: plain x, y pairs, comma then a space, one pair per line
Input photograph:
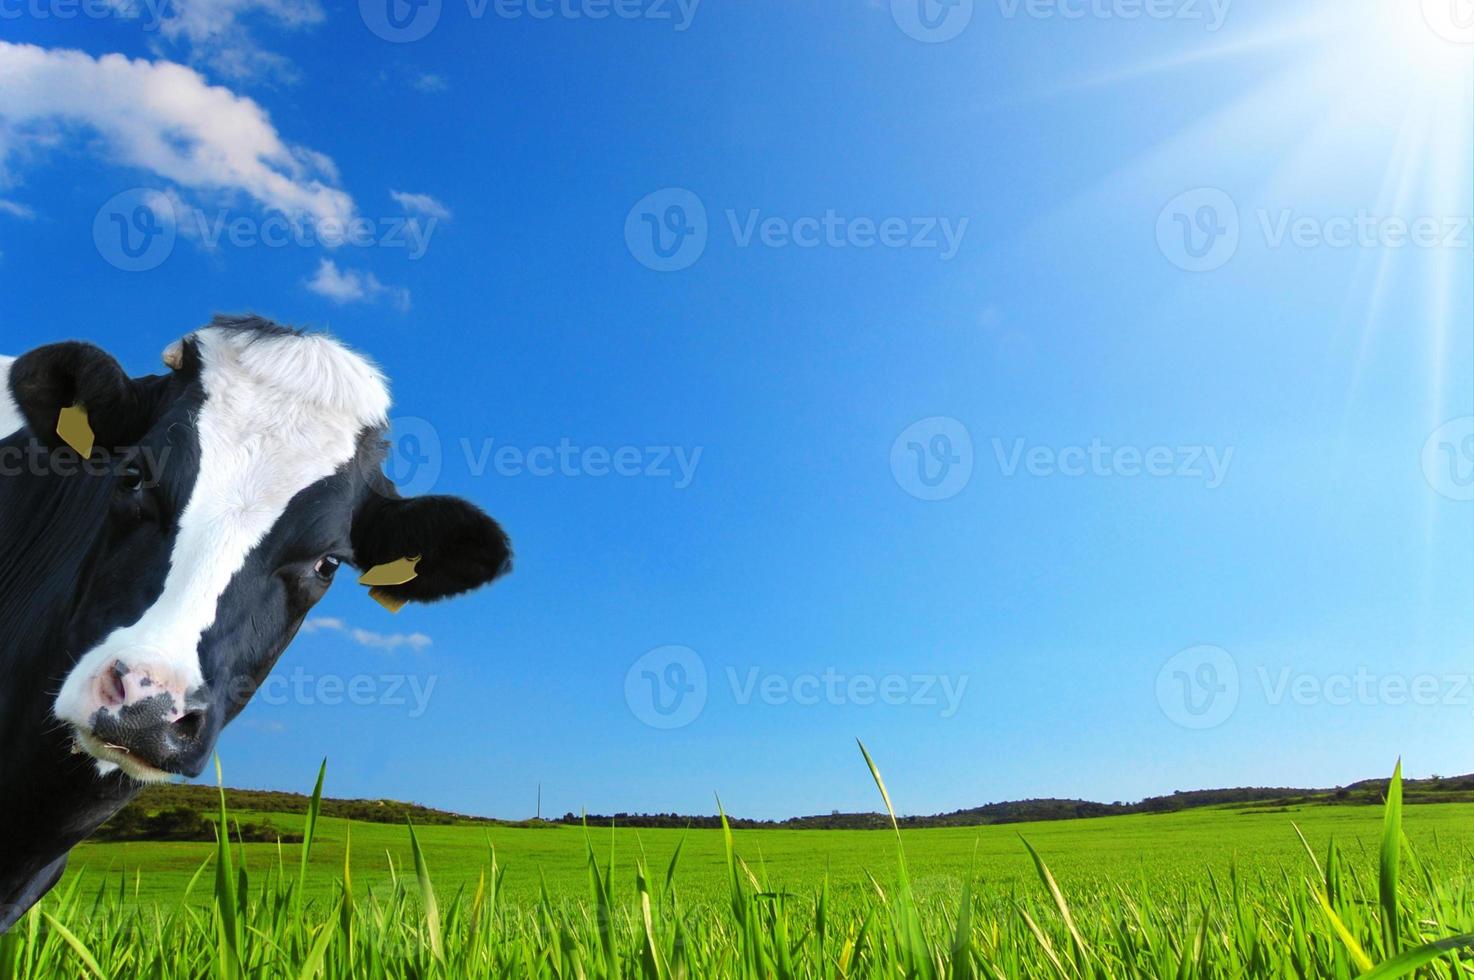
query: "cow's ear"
459, 548
63, 376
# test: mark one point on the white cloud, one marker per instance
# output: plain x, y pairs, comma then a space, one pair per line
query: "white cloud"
389, 642
421, 204
164, 118
353, 286
430, 82
215, 33
16, 210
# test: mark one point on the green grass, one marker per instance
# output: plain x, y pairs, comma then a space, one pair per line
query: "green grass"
1316, 891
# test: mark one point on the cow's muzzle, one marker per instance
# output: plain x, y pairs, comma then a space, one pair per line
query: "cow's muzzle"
147, 721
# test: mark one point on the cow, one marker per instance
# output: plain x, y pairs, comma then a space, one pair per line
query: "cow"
147, 590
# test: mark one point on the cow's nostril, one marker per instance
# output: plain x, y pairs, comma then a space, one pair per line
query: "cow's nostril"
190, 725
114, 691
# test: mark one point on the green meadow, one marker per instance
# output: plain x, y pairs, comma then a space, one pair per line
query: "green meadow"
1310, 891
1156, 850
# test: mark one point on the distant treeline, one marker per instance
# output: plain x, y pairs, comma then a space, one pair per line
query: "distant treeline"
180, 812
1458, 789
181, 823
172, 812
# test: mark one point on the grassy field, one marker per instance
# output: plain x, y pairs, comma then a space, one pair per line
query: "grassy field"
1160, 849
1228, 892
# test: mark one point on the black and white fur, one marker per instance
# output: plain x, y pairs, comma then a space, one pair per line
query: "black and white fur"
144, 600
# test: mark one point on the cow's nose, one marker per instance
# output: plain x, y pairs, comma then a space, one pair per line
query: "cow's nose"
148, 710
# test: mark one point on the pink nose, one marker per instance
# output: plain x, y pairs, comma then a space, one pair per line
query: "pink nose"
146, 707
136, 680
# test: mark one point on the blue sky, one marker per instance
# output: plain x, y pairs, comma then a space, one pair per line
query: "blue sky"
1065, 398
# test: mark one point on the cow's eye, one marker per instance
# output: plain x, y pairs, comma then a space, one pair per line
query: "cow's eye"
133, 478
327, 567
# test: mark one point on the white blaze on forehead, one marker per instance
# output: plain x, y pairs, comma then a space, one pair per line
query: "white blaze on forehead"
10, 420
280, 414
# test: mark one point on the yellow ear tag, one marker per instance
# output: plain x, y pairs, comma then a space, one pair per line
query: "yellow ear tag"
76, 431
395, 573
392, 603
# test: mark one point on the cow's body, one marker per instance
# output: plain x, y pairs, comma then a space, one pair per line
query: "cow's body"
145, 598
50, 798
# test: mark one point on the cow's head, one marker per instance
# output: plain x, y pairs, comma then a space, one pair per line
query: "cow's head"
245, 477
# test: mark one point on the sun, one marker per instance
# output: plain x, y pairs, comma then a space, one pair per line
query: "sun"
1340, 108
1430, 42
